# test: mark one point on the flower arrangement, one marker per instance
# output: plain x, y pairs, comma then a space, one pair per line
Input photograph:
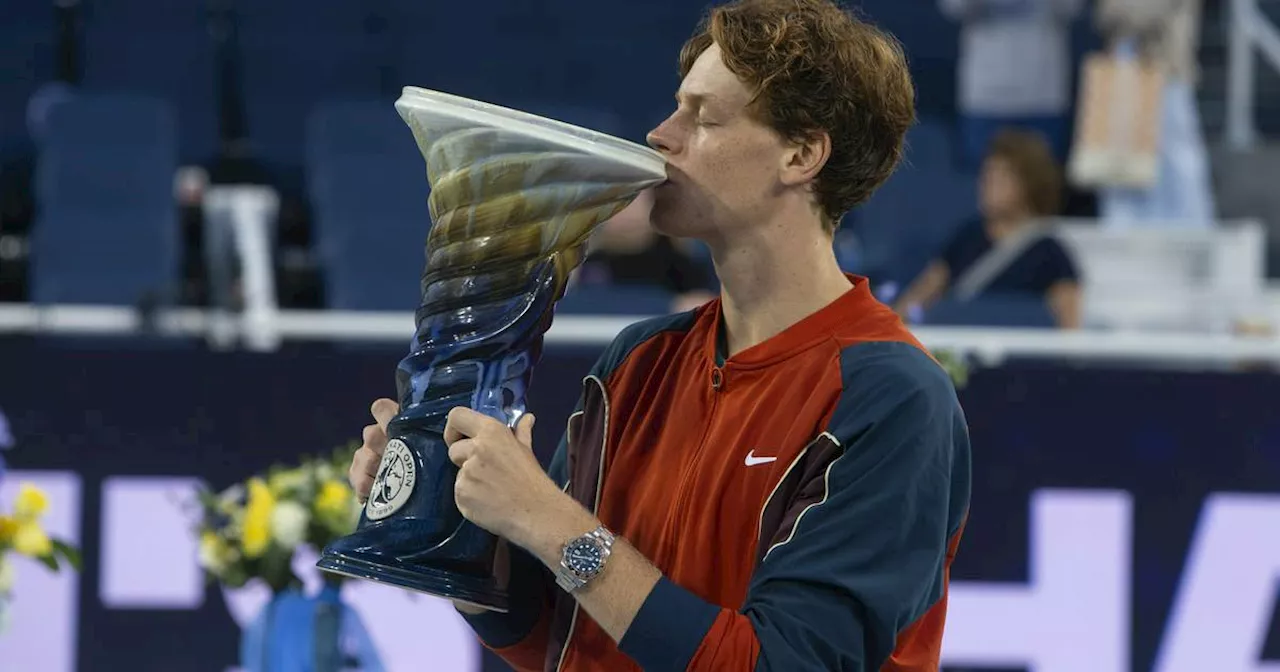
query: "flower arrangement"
21, 534
252, 529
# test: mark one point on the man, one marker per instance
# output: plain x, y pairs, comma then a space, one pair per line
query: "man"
778, 479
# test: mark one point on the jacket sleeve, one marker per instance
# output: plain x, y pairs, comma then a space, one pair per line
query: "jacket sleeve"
865, 561
521, 636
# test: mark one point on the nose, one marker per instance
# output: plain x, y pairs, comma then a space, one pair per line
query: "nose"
662, 139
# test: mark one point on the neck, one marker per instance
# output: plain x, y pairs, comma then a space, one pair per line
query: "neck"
774, 277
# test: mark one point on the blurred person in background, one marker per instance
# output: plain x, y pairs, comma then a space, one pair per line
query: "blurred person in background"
1010, 250
1164, 33
626, 250
1015, 70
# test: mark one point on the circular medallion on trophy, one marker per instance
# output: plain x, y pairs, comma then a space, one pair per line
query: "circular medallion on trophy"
394, 482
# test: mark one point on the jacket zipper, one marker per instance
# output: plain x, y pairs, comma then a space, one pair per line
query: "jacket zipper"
595, 509
682, 487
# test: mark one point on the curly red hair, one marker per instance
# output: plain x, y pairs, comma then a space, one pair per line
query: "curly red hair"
814, 68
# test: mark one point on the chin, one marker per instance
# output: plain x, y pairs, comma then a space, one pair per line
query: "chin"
673, 216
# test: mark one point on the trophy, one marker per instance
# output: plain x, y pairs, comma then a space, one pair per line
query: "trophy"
513, 200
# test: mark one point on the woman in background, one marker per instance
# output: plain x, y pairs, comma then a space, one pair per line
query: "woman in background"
1010, 250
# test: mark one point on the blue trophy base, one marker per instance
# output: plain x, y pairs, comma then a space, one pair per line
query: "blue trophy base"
416, 538
480, 592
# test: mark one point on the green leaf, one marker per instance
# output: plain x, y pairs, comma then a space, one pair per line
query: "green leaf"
50, 561
69, 553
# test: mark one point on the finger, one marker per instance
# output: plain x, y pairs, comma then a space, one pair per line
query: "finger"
461, 451
364, 466
451, 433
374, 439
524, 430
368, 461
383, 410
464, 422
362, 484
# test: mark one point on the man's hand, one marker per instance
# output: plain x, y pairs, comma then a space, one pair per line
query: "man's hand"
500, 486
364, 466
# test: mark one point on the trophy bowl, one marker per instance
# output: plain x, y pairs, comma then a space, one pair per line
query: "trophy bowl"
514, 198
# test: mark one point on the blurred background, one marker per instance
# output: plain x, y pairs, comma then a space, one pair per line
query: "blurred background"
211, 232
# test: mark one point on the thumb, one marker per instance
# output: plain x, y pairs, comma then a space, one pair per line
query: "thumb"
524, 430
383, 410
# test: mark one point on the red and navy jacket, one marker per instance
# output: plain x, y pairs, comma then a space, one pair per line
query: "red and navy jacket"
803, 498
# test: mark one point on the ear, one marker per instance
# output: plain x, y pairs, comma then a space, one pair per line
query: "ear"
804, 159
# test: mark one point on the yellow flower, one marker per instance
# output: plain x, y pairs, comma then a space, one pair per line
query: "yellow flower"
336, 507
257, 518
334, 499
8, 527
215, 553
30, 540
31, 502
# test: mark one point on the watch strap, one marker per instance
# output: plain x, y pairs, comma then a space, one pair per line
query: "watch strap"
570, 580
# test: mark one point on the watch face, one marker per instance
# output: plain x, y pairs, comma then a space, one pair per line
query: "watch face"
583, 557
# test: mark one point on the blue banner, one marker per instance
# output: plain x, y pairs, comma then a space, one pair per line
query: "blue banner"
1121, 520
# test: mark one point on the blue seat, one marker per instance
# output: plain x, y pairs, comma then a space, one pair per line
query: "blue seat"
374, 272
361, 196
107, 226
92, 256
368, 188
109, 152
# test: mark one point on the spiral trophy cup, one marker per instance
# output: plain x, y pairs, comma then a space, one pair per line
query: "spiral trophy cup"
513, 199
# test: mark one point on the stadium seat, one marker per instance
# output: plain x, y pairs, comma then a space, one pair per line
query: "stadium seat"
81, 256
374, 272
107, 229
368, 188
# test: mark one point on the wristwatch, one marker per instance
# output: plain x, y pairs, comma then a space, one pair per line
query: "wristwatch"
583, 559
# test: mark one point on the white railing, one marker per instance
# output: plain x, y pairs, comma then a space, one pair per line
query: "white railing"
988, 345
1249, 29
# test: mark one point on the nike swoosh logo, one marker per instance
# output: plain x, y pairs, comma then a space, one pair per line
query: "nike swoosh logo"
752, 460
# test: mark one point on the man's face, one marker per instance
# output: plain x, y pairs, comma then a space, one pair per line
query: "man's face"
723, 163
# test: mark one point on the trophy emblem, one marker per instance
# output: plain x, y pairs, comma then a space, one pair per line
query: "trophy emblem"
514, 198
